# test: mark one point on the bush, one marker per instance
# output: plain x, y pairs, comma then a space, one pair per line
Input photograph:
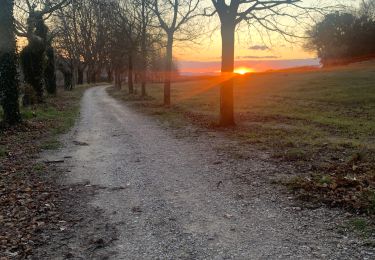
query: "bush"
342, 38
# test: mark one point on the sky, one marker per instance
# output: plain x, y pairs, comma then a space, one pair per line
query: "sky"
254, 50
258, 51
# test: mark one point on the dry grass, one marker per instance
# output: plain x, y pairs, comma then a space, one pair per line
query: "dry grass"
322, 121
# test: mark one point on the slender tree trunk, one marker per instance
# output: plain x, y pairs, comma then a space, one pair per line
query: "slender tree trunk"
109, 75
130, 74
9, 92
80, 75
168, 71
68, 79
227, 66
49, 71
88, 74
93, 76
144, 51
144, 73
74, 73
117, 78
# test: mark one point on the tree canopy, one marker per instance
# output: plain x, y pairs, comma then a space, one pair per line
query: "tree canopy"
343, 38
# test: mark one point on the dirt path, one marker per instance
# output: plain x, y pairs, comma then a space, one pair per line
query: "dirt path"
178, 198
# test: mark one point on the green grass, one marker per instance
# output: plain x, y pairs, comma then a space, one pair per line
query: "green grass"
3, 151
325, 180
54, 108
51, 144
322, 121
361, 226
334, 109
38, 167
56, 116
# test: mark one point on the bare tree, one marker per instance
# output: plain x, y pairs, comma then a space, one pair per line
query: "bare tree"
129, 25
118, 44
145, 16
175, 18
264, 14
114, 35
33, 56
367, 8
36, 10
83, 36
68, 45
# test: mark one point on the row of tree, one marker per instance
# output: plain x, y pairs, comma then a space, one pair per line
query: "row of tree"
90, 36
344, 37
139, 35
115, 37
37, 59
135, 37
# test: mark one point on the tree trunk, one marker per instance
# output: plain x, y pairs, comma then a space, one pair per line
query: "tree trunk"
80, 75
9, 92
117, 79
75, 66
144, 51
143, 83
49, 71
130, 74
68, 79
227, 66
168, 72
88, 74
109, 75
93, 76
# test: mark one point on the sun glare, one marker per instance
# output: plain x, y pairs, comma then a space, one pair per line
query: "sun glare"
243, 70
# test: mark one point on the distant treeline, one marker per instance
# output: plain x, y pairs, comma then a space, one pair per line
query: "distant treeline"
342, 38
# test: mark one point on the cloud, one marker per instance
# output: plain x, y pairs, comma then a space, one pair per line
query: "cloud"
258, 57
259, 48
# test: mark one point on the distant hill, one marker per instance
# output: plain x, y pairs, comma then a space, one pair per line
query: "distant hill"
201, 68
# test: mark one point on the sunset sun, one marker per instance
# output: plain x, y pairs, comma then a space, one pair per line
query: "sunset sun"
243, 70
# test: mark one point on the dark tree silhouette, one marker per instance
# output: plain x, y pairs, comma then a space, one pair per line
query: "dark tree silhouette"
342, 38
9, 92
33, 59
264, 13
33, 56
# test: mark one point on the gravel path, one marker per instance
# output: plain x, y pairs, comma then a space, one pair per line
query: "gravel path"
178, 198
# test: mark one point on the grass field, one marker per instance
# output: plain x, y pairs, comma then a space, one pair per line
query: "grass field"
41, 124
322, 121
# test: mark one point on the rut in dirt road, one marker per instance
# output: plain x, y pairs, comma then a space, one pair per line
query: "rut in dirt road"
177, 198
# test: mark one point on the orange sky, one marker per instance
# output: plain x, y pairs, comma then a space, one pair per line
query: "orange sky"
210, 50
250, 52
252, 49
252, 46
251, 42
